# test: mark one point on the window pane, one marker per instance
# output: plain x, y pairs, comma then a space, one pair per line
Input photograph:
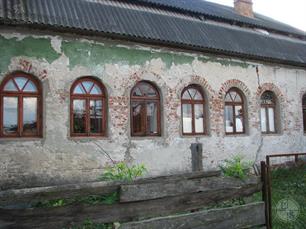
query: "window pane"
192, 92
29, 115
199, 118
263, 120
79, 90
267, 98
10, 115
95, 90
96, 116
10, 86
271, 120
187, 118
229, 123
138, 118
198, 96
239, 118
186, 95
79, 116
147, 90
20, 81
87, 85
228, 98
152, 118
30, 87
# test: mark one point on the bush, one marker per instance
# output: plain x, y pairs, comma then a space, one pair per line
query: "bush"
122, 172
236, 167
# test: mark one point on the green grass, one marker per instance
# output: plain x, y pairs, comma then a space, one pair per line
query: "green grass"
288, 184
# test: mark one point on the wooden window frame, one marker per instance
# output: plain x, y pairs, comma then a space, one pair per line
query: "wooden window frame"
304, 114
145, 100
20, 96
233, 105
192, 103
266, 107
87, 97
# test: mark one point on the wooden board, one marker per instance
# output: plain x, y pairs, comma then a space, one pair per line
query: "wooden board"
138, 192
30, 195
230, 218
122, 212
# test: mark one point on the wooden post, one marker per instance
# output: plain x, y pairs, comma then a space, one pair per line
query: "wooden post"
264, 190
196, 157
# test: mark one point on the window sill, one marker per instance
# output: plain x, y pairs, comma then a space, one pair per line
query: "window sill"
88, 138
20, 139
146, 138
271, 134
195, 136
237, 135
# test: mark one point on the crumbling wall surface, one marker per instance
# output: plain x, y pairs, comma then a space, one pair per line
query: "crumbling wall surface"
59, 60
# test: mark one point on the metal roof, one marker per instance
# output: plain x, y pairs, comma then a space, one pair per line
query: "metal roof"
227, 13
151, 24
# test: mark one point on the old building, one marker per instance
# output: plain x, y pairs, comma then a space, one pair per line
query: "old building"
84, 82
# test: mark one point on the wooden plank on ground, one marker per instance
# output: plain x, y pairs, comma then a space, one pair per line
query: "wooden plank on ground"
245, 216
138, 192
63, 216
30, 195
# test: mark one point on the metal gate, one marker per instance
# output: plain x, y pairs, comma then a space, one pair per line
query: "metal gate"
284, 190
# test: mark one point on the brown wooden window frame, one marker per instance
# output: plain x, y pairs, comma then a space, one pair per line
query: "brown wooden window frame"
20, 96
145, 100
193, 102
304, 112
266, 107
87, 97
233, 105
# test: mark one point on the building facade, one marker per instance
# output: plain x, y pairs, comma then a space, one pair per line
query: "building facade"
72, 102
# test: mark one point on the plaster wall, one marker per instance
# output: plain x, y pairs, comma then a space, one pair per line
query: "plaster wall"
59, 60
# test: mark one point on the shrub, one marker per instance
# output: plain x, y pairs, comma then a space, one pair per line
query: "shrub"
236, 167
122, 172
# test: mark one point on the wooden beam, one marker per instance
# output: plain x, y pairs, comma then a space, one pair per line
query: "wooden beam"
244, 216
138, 192
60, 217
30, 195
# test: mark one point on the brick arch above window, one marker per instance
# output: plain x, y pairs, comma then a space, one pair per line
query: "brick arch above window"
21, 106
234, 83
88, 108
270, 87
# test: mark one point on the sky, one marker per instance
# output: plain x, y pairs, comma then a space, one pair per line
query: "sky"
292, 12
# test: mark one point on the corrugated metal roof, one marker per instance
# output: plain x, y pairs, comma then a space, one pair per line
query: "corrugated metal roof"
133, 21
225, 12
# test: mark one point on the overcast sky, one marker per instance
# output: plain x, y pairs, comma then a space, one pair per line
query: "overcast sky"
292, 12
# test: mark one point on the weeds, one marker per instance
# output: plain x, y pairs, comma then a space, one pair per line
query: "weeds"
236, 167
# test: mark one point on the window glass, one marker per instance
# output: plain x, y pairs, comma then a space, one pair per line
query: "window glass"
199, 118
79, 90
87, 85
95, 90
30, 115
271, 119
79, 112
20, 81
263, 119
10, 115
187, 118
239, 118
96, 116
152, 118
229, 123
10, 86
186, 95
30, 87
138, 117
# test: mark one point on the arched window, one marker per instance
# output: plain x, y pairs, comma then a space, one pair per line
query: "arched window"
267, 112
193, 110
234, 112
21, 108
145, 110
88, 108
304, 112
